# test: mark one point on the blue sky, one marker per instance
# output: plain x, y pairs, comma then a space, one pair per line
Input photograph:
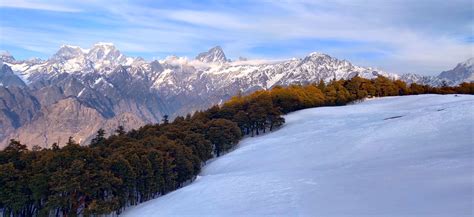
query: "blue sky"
423, 36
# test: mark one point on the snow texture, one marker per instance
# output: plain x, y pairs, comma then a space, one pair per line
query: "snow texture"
394, 156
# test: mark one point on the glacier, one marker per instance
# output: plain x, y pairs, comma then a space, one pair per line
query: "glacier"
392, 156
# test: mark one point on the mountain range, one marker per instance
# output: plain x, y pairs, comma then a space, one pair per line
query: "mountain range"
77, 91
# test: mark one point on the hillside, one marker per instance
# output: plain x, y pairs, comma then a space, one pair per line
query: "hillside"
395, 156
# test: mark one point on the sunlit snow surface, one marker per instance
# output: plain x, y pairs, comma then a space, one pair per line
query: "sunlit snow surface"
356, 160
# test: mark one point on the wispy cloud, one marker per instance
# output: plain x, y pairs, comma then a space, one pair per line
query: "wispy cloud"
37, 5
398, 36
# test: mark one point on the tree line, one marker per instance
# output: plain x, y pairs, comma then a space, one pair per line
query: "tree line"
128, 168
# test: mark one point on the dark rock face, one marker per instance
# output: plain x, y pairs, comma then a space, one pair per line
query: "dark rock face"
17, 107
8, 78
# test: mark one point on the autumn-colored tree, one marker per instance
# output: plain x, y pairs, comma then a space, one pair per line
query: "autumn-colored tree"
223, 134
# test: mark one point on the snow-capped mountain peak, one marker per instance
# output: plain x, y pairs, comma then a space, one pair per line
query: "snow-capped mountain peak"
468, 63
34, 60
5, 56
105, 52
213, 55
210, 70
463, 72
317, 57
67, 52
317, 54
101, 56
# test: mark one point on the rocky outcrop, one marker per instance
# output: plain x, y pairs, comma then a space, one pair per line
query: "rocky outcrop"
17, 107
69, 117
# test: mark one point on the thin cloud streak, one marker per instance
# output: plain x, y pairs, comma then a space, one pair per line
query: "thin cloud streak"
37, 5
399, 40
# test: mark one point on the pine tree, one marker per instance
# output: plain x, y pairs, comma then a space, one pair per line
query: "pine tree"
120, 130
165, 119
15, 146
55, 146
99, 139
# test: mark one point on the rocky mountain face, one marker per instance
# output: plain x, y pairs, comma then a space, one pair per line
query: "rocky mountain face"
463, 72
78, 91
69, 117
17, 108
8, 78
214, 55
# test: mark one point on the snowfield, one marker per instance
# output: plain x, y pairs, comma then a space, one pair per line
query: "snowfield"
393, 156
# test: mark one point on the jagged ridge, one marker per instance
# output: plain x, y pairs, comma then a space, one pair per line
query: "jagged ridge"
105, 80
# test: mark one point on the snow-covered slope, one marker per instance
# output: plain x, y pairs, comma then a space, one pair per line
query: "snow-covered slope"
394, 156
